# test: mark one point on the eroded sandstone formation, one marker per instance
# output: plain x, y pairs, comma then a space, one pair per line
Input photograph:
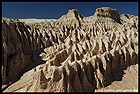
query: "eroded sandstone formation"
80, 53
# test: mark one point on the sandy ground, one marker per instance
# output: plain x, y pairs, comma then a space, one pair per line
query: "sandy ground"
129, 82
35, 20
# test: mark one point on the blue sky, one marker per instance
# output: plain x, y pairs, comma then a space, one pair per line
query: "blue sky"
54, 10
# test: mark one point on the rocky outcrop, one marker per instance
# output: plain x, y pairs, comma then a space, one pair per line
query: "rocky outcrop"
19, 49
107, 12
72, 18
81, 54
129, 82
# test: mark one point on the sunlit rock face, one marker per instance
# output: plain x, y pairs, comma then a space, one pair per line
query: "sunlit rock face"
72, 18
71, 54
107, 12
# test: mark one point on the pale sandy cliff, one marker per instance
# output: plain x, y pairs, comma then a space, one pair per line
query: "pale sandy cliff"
71, 54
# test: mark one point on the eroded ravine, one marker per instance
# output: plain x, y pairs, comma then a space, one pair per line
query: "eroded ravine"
78, 53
